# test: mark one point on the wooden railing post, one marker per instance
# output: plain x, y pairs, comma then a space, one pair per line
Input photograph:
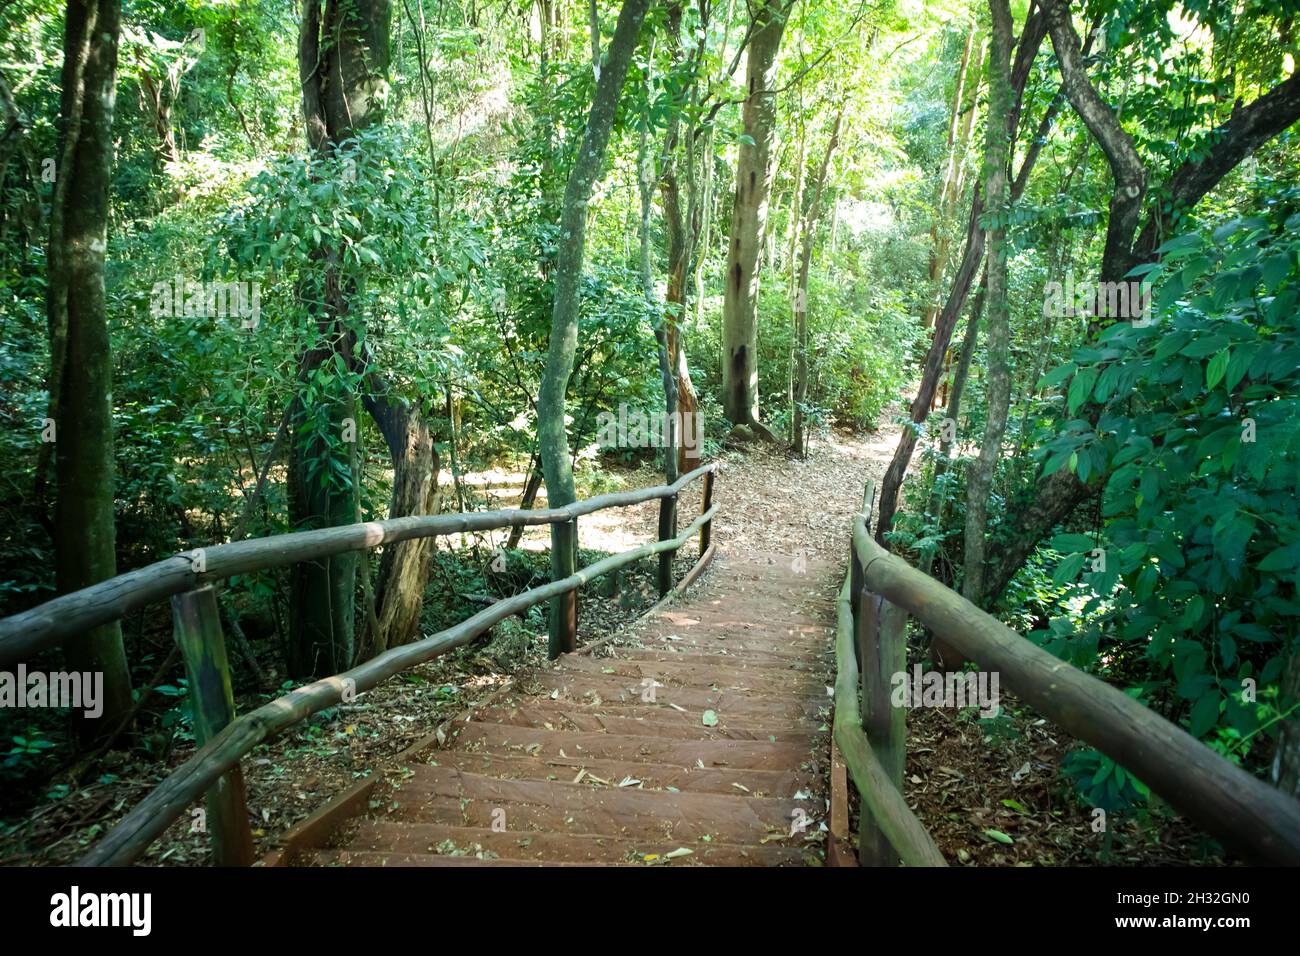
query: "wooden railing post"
888, 724
706, 529
196, 621
563, 637
855, 598
879, 637
667, 531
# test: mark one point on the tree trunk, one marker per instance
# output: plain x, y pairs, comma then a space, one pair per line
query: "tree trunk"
959, 131
552, 438
1031, 38
667, 318
810, 221
749, 220
343, 57
81, 367
997, 150
404, 567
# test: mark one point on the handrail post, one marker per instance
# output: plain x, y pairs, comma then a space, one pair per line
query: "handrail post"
888, 727
880, 640
667, 531
563, 636
196, 622
706, 529
855, 598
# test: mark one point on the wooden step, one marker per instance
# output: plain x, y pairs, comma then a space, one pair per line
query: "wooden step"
652, 776
416, 841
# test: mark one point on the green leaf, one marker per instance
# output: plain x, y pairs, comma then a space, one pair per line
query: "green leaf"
999, 836
1069, 543
1205, 713
1068, 569
1081, 387
1214, 372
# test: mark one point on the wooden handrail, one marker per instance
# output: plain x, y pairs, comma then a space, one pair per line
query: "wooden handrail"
1242, 811
220, 755
24, 635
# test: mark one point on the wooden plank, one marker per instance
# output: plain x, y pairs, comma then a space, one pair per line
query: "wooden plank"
839, 844
315, 831
1244, 812
196, 623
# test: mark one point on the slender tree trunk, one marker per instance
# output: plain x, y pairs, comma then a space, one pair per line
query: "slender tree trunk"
811, 219
997, 152
749, 220
552, 438
959, 129
81, 380
1031, 38
667, 372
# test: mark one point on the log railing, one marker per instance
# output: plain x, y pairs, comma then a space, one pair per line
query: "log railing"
225, 739
1243, 812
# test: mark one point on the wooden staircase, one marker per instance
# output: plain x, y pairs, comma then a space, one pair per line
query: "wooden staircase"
699, 737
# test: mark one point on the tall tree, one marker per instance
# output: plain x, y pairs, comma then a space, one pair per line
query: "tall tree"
551, 433
81, 366
754, 171
996, 156
811, 218
343, 60
1031, 38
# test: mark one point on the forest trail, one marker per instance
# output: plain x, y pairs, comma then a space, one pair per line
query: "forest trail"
705, 727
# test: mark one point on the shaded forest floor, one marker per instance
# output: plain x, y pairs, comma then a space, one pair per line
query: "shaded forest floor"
991, 792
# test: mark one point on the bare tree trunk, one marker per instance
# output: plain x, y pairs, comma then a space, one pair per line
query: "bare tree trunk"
997, 155
1031, 38
404, 567
81, 366
810, 221
552, 439
645, 184
959, 130
749, 219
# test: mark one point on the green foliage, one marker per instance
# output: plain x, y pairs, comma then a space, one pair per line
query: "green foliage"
1199, 449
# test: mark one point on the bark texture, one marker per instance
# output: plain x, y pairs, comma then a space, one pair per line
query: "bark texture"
81, 380
754, 171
